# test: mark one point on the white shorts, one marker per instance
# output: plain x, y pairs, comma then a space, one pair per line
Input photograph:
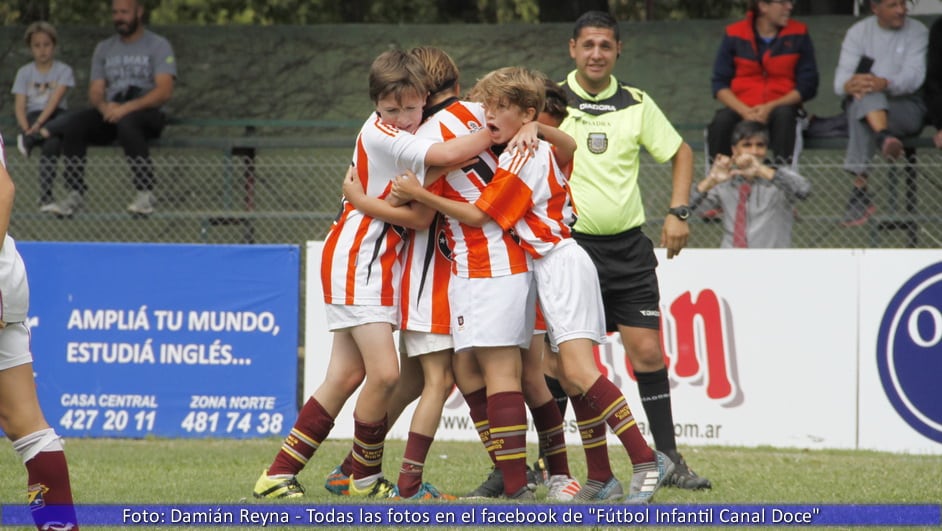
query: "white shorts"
415, 344
568, 287
492, 312
341, 316
14, 346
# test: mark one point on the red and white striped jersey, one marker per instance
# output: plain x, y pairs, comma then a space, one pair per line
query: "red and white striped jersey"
359, 264
529, 195
426, 272
477, 252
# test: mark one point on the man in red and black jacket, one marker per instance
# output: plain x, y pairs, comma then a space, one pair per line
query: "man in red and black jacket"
764, 70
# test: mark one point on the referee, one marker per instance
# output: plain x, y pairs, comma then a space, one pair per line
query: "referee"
610, 121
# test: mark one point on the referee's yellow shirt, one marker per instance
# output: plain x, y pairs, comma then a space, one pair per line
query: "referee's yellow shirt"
609, 129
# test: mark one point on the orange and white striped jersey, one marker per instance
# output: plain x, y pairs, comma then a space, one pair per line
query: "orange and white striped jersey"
529, 195
360, 263
477, 252
426, 271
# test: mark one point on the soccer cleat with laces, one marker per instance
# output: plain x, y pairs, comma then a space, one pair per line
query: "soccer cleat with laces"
381, 488
562, 488
283, 486
426, 491
596, 491
649, 477
493, 486
685, 478
337, 482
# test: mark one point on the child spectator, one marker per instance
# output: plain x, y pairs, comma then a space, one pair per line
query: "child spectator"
39, 89
757, 200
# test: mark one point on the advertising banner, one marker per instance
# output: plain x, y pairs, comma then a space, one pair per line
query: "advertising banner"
763, 347
132, 340
901, 351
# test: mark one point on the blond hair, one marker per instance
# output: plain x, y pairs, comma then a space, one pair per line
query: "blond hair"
41, 27
512, 85
396, 73
442, 70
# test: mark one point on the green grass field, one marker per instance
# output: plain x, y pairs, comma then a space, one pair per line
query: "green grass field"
165, 471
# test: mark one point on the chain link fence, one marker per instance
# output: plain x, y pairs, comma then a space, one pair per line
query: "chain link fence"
292, 195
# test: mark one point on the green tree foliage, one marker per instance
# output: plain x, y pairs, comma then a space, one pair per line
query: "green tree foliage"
267, 12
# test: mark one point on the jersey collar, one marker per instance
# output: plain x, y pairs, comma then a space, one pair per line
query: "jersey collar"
581, 92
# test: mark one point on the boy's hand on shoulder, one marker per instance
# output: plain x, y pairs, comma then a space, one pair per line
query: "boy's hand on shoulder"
526, 138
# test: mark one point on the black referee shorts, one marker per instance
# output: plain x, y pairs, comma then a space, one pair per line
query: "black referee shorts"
627, 274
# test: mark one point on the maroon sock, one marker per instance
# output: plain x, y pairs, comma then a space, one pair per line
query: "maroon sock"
307, 434
549, 426
508, 419
49, 492
591, 424
368, 443
413, 462
619, 417
477, 410
347, 466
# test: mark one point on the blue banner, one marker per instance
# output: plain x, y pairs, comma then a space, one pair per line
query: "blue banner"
131, 340
450, 515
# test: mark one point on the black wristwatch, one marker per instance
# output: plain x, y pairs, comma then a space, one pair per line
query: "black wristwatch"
682, 212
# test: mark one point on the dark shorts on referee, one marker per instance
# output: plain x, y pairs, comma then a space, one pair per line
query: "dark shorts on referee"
627, 274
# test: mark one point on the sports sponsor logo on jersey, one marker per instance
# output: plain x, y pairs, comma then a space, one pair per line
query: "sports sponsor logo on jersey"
909, 351
597, 143
603, 107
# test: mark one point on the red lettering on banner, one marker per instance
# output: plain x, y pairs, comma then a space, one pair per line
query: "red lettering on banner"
700, 324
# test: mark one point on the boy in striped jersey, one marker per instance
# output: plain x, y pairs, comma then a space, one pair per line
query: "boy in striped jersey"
447, 117
360, 273
528, 198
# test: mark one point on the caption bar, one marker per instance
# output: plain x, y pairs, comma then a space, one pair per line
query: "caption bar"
493, 515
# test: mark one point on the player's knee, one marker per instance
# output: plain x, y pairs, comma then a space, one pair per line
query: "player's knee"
350, 381
384, 377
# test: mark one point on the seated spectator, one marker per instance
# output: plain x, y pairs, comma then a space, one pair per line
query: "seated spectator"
757, 199
132, 77
764, 70
39, 92
881, 68
933, 87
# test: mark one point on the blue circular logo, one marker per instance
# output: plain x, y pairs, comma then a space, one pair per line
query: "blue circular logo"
909, 352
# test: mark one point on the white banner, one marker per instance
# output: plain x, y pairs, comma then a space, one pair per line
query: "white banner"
901, 351
762, 348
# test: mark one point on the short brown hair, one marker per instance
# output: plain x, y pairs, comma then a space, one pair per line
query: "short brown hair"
556, 104
395, 73
41, 27
441, 68
512, 85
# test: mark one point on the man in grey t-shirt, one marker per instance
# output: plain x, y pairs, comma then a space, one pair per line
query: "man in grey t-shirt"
132, 77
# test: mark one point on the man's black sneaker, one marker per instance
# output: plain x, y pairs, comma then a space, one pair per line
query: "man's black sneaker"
683, 477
